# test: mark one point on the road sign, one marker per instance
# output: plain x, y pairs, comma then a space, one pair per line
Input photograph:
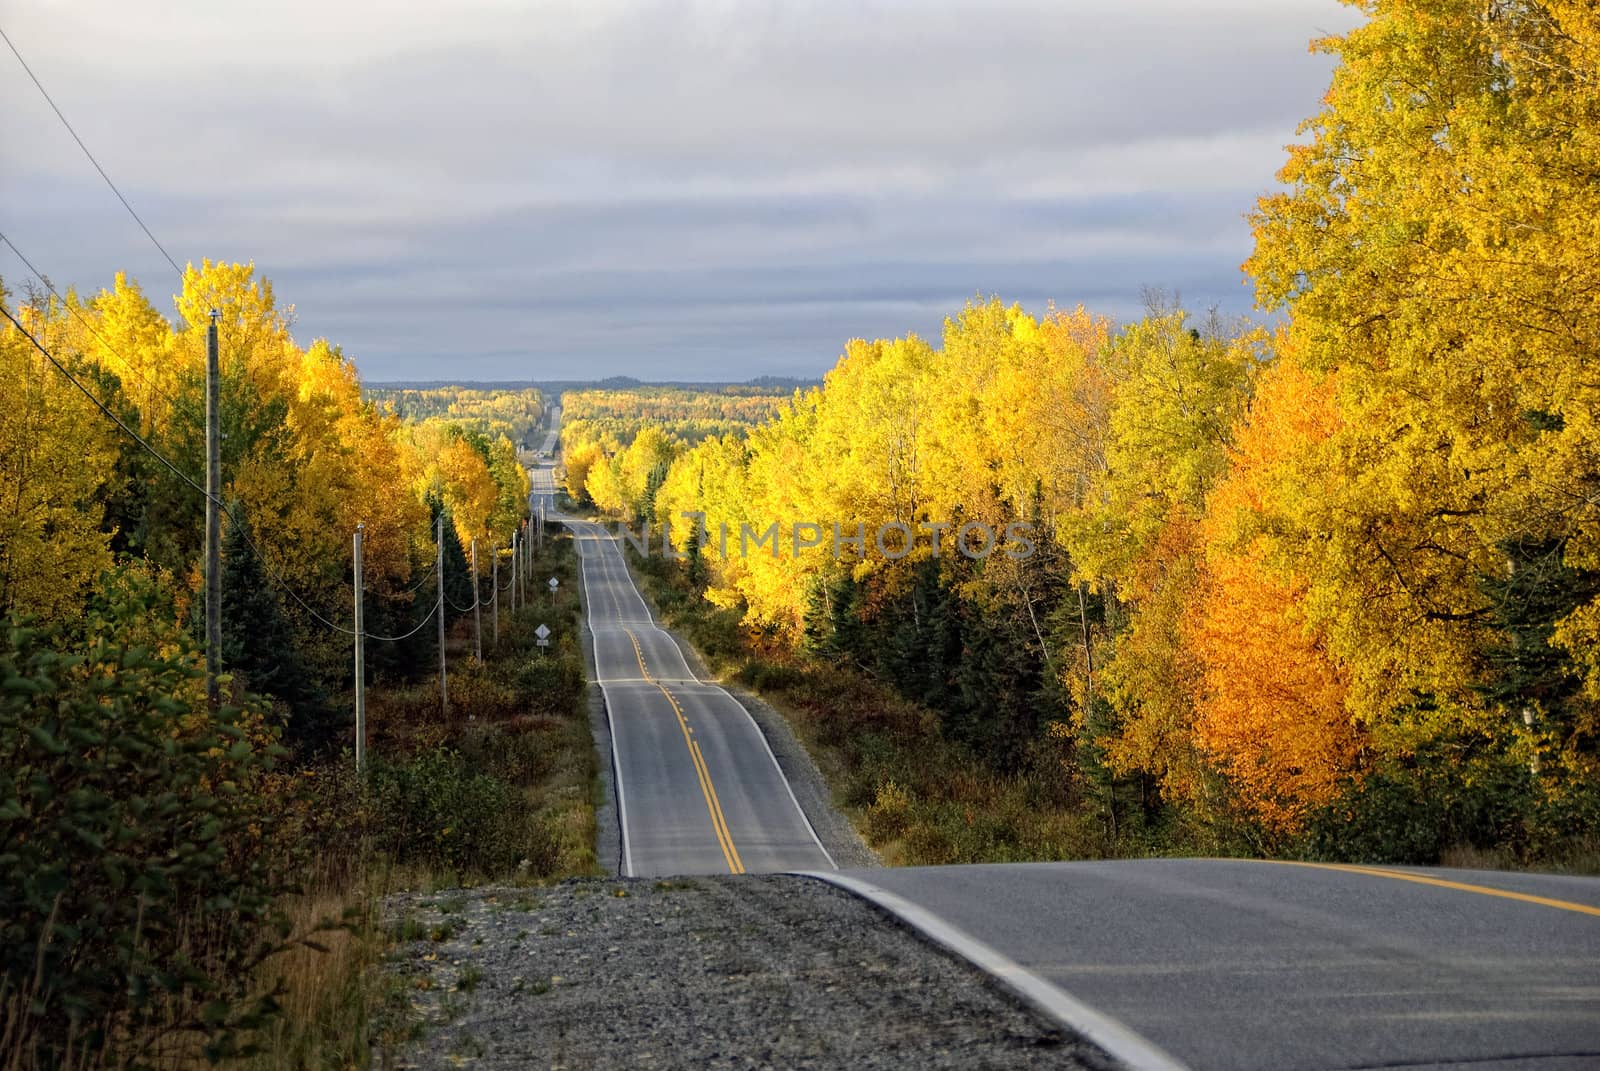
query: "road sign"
543, 632
554, 583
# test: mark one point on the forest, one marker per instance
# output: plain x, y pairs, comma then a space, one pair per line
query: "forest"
489, 411
1327, 584
617, 443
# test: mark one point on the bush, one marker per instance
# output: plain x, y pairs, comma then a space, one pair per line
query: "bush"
135, 893
435, 810
551, 683
1416, 812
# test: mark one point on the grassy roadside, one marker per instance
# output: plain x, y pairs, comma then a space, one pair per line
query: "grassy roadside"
502, 790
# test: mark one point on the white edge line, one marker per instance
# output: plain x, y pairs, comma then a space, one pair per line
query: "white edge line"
761, 736
611, 729
801, 811
1115, 1038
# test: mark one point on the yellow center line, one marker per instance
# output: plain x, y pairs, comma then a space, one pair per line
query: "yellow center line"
1444, 883
719, 822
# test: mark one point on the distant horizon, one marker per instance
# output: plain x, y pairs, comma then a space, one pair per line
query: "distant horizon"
615, 381
627, 188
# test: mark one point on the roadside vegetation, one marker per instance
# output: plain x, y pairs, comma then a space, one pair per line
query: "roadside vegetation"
178, 888
181, 885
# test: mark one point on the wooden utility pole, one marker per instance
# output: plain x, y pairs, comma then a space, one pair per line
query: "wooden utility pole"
361, 661
213, 514
527, 563
494, 593
444, 687
477, 614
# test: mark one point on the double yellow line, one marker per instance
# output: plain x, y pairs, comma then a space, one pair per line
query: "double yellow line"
719, 822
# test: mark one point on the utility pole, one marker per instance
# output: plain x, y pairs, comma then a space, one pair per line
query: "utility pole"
516, 560
444, 687
477, 614
526, 563
494, 592
361, 662
213, 514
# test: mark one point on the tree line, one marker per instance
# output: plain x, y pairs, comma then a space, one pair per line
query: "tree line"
492, 412
305, 459
617, 444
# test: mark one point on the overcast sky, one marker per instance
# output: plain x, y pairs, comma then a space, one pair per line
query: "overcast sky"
665, 190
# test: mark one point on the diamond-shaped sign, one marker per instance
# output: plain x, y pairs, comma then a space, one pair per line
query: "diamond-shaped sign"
543, 632
554, 583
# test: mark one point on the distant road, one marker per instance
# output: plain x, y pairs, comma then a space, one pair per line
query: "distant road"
698, 789
548, 449
1255, 966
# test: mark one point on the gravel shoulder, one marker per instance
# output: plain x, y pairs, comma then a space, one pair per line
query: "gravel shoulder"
724, 972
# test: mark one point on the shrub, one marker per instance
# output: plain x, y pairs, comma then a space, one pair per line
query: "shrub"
435, 810
135, 893
551, 683
1415, 812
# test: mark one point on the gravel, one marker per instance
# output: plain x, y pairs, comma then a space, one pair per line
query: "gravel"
723, 972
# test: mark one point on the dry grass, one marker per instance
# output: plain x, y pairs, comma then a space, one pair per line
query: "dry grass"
1580, 857
330, 1007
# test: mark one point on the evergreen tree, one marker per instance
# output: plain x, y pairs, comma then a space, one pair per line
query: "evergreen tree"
1527, 671
258, 643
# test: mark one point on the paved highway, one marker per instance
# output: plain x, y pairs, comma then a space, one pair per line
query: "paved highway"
1256, 966
698, 789
547, 449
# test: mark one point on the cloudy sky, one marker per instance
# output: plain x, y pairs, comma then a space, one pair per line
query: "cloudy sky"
671, 190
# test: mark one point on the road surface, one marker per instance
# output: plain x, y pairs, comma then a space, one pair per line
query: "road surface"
1257, 966
698, 789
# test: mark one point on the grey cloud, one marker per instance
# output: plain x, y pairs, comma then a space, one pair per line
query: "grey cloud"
736, 188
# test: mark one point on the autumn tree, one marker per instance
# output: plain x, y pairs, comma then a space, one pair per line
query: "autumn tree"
1434, 249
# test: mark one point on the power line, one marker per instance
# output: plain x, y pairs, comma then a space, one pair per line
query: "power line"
414, 588
98, 404
463, 609
48, 285
433, 608
243, 531
90, 155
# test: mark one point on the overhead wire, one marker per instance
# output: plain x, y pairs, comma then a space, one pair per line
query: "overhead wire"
105, 410
51, 101
44, 280
243, 531
414, 588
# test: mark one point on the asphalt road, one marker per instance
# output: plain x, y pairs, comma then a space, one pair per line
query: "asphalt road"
698, 788
1233, 964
